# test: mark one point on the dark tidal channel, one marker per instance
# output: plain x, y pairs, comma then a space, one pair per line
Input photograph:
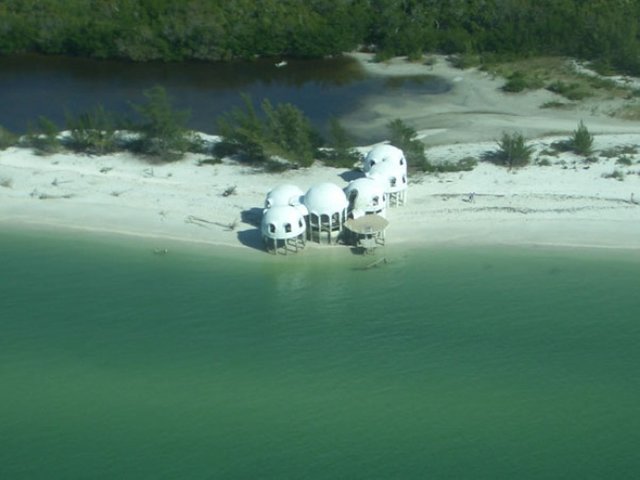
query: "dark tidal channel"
32, 85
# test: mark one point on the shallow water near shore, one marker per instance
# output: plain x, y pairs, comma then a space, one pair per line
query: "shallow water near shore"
443, 363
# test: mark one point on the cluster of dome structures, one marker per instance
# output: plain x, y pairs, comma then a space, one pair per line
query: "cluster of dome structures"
328, 214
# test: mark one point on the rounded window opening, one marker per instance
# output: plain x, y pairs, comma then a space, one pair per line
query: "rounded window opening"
272, 228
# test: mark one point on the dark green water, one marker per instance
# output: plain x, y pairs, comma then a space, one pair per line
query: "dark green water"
446, 363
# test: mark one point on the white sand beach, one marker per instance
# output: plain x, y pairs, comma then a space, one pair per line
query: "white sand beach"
566, 201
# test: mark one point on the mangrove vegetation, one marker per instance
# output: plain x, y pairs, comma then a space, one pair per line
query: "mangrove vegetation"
605, 31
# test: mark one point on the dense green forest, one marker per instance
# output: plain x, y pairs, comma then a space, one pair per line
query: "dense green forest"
170, 30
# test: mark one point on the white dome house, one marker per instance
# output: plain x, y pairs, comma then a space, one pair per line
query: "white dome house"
285, 194
394, 180
327, 206
366, 196
283, 229
387, 154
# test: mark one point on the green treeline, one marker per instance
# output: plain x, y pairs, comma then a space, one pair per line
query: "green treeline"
177, 30
170, 30
274, 137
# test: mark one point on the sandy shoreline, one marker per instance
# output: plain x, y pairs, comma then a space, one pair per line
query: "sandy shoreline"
566, 203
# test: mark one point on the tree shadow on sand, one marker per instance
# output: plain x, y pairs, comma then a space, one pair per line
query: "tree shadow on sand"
251, 237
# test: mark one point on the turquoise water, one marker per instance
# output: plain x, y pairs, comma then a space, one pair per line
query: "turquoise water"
444, 363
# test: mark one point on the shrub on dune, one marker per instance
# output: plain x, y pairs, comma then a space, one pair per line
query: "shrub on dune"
582, 141
7, 139
512, 151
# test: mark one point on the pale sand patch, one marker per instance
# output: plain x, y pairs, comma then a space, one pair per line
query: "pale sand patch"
567, 203
475, 108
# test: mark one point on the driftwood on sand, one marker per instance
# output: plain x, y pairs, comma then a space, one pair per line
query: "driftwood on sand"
230, 191
46, 196
203, 222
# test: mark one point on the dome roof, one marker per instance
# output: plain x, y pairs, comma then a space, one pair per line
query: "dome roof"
281, 222
325, 199
285, 194
368, 194
385, 153
393, 178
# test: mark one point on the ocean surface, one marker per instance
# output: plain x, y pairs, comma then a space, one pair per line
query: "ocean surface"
479, 363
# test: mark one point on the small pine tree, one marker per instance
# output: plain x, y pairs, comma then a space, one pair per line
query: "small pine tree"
163, 129
243, 133
7, 139
282, 131
582, 141
43, 137
92, 132
341, 154
404, 137
512, 151
291, 133
516, 82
